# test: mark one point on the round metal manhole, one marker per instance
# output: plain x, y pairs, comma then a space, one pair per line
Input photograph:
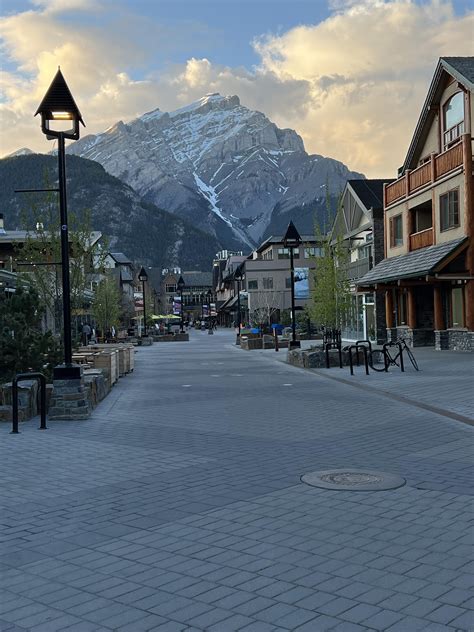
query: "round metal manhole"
353, 480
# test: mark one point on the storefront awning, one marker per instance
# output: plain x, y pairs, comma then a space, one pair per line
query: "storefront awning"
419, 263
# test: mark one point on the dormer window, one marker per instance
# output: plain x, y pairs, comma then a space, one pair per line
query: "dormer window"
453, 119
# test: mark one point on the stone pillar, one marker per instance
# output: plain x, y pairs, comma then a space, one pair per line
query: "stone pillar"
438, 309
69, 399
411, 308
389, 309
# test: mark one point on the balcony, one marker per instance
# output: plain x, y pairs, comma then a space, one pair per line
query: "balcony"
421, 239
357, 269
425, 175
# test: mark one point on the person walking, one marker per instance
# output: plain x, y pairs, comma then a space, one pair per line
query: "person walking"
86, 332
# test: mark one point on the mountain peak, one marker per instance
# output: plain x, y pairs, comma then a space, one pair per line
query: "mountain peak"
211, 101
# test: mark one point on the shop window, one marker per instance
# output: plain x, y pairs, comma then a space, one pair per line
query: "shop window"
449, 210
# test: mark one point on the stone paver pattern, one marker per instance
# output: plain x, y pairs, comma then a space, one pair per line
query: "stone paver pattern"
179, 505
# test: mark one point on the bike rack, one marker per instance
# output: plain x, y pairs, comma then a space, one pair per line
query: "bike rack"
386, 359
366, 357
28, 376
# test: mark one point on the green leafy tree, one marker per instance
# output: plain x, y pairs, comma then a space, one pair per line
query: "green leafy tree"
40, 256
106, 307
24, 347
331, 296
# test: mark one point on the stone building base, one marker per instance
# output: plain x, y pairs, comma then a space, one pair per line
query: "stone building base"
454, 340
413, 337
69, 399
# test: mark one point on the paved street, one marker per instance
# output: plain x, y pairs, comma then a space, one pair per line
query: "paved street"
179, 505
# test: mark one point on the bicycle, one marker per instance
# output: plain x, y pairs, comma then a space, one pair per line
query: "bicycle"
388, 359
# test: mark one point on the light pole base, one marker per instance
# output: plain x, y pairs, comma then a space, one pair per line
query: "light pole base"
69, 399
237, 340
294, 344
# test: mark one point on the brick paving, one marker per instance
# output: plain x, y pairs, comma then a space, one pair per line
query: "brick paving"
178, 505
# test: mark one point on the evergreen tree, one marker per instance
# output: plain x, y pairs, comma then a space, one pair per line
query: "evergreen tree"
24, 347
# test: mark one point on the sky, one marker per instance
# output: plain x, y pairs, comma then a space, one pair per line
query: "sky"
350, 76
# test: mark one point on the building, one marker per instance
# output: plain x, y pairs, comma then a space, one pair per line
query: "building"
121, 268
427, 275
197, 284
226, 287
359, 226
268, 277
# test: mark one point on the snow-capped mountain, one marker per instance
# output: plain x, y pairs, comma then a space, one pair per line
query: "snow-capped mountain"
227, 168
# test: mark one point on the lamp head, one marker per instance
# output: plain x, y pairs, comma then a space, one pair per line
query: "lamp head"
142, 275
180, 284
292, 238
58, 106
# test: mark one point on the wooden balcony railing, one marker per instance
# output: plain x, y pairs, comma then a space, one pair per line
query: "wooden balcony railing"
422, 239
426, 174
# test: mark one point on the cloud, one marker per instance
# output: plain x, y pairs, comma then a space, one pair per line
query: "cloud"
352, 86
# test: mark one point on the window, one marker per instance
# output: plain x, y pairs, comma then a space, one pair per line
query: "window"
449, 210
396, 231
268, 255
402, 307
288, 283
253, 285
457, 307
284, 253
312, 252
267, 283
453, 118
170, 287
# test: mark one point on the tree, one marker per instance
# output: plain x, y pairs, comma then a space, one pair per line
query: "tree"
106, 306
264, 304
24, 347
41, 255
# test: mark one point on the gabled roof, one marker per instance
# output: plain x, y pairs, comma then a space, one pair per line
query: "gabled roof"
370, 192
119, 257
59, 97
462, 69
197, 279
418, 263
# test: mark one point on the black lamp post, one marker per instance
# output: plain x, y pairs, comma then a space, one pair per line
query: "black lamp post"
143, 277
292, 239
180, 286
203, 298
238, 278
57, 108
209, 297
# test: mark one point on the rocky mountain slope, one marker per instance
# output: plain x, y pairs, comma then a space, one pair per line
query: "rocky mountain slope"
227, 169
141, 230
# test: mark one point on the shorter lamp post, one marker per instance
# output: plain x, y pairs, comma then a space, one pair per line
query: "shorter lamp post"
292, 239
238, 278
143, 277
203, 298
180, 286
209, 297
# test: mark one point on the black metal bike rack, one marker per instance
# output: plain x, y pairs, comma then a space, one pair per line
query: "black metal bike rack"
332, 339
366, 357
386, 356
19, 378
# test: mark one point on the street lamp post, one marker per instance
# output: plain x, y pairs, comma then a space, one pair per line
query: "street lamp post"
180, 286
238, 278
209, 297
57, 108
143, 277
292, 239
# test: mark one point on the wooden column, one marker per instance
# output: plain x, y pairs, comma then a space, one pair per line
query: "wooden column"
411, 308
389, 309
469, 228
438, 309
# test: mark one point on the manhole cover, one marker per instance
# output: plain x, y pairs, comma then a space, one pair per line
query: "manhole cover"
353, 480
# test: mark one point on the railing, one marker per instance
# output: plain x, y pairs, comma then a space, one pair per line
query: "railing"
28, 376
425, 174
420, 176
357, 269
449, 160
422, 239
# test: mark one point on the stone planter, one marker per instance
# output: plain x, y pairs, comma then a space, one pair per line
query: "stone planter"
316, 358
248, 344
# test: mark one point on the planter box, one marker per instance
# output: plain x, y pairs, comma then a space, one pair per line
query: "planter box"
251, 343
